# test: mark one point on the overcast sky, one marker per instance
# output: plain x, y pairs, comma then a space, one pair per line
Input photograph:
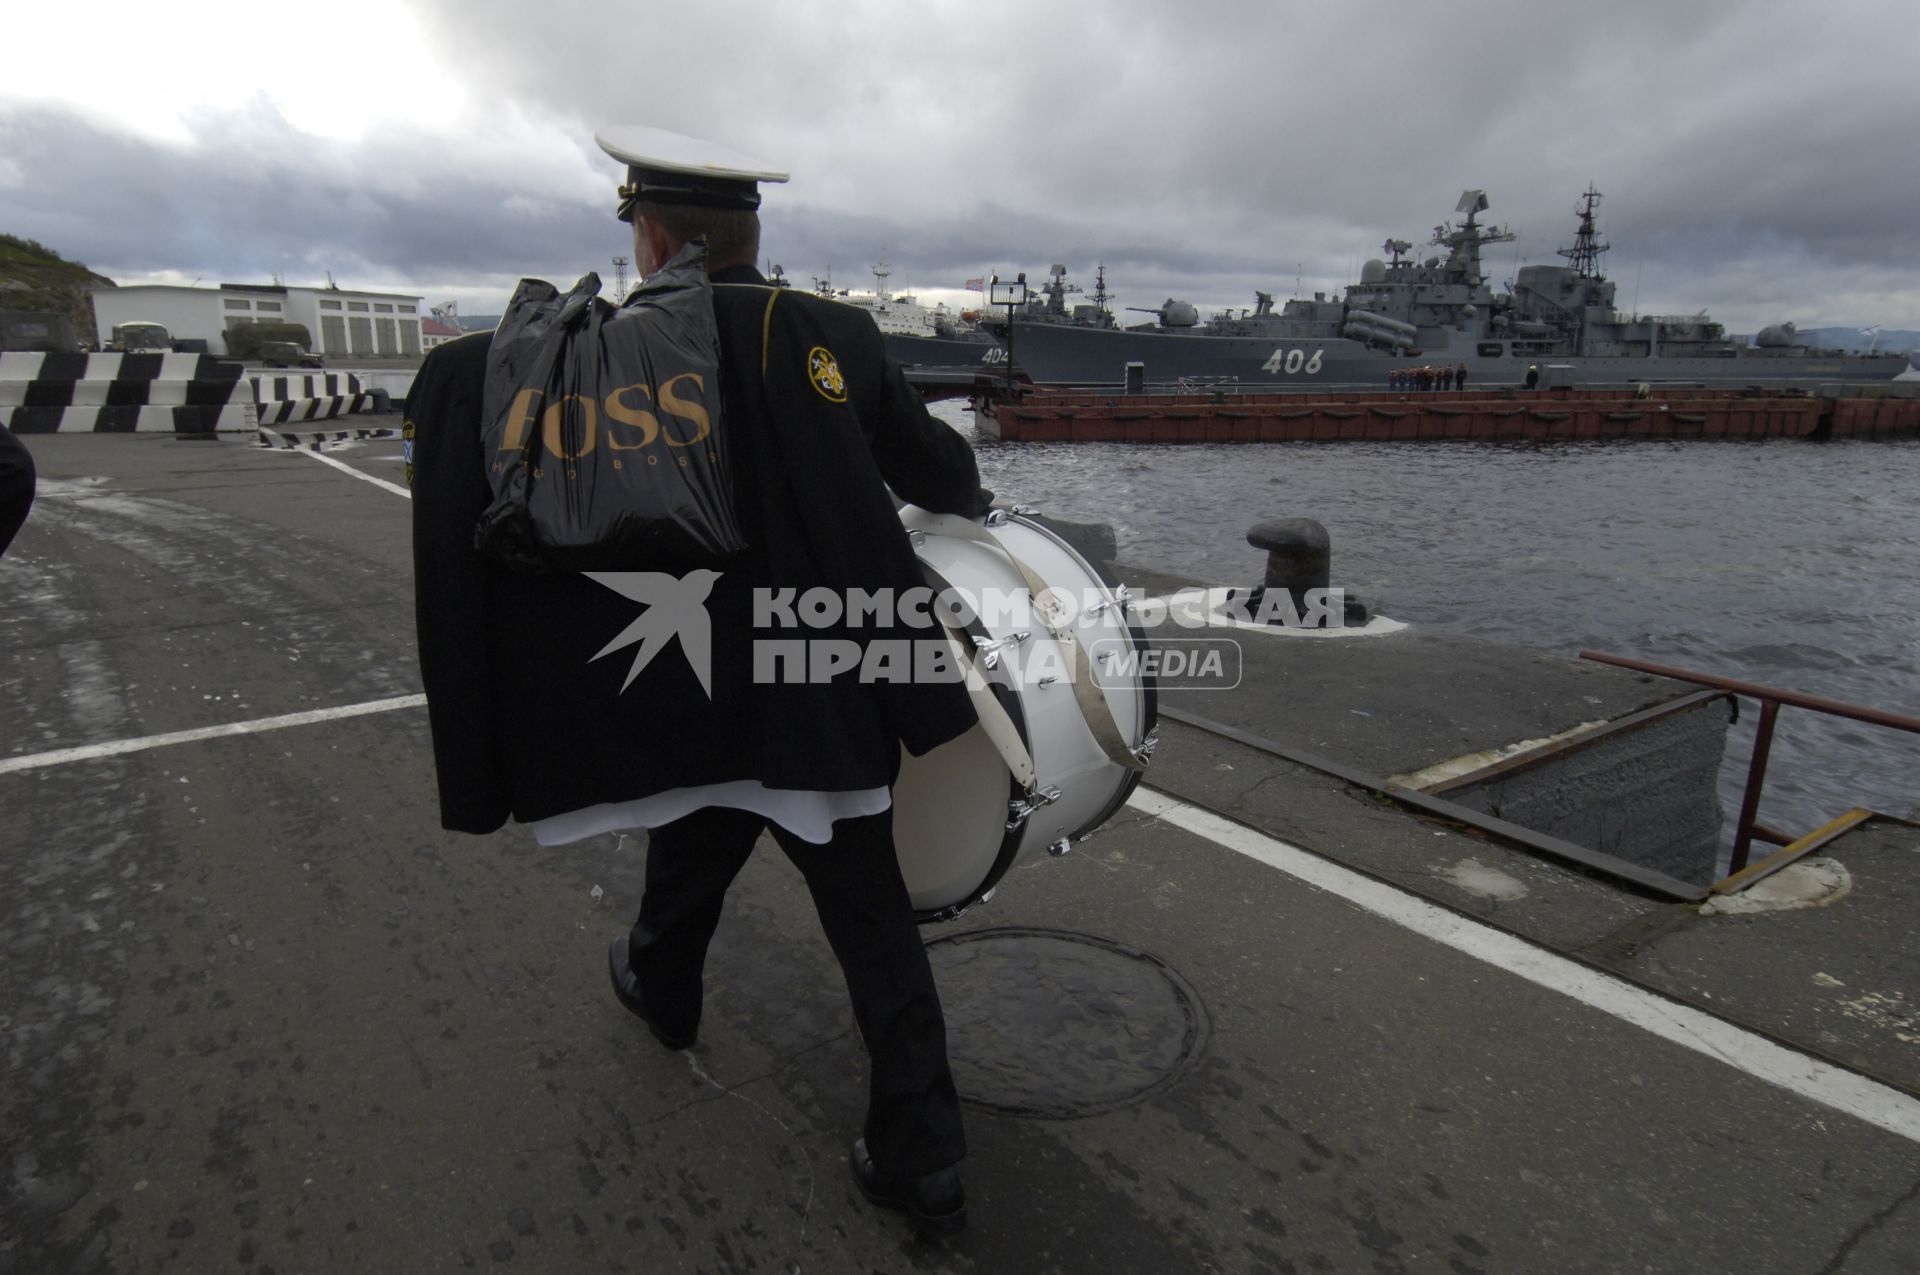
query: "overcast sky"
1758, 160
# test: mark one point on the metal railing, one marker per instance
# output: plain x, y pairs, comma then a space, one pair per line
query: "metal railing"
1749, 828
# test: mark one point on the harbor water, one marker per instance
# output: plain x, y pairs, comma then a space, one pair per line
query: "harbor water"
1791, 564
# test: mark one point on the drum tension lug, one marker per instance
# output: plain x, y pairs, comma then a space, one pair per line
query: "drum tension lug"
1060, 847
1122, 599
990, 648
958, 910
1020, 810
1143, 753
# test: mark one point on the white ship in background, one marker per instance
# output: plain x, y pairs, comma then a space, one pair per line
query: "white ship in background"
917, 335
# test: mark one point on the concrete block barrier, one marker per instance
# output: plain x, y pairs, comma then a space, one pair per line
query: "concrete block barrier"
320, 440
123, 394
312, 409
130, 419
309, 396
116, 367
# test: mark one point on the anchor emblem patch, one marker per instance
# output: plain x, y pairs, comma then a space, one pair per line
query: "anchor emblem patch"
825, 375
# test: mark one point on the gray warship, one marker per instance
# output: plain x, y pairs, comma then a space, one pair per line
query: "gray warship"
1440, 311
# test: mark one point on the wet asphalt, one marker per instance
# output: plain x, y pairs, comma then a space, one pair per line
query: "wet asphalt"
261, 1014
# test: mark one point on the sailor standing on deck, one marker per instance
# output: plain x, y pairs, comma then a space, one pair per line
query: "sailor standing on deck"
818, 422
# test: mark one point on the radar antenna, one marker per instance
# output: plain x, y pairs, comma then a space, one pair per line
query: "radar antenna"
1584, 256
1396, 249
1466, 240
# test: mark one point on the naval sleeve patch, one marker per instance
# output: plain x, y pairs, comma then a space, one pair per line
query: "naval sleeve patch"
824, 372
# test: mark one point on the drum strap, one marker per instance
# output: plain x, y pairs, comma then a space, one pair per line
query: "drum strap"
1001, 731
1087, 691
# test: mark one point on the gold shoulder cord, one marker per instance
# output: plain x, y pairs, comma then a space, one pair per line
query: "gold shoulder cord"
766, 329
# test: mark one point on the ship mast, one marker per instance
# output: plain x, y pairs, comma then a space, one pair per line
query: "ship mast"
1057, 289
1100, 294
1584, 256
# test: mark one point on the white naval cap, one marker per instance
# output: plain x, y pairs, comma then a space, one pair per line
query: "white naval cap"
672, 168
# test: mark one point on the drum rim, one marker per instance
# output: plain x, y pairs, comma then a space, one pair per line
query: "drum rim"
1149, 685
1009, 838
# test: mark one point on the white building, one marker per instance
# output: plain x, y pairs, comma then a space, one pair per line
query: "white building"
345, 325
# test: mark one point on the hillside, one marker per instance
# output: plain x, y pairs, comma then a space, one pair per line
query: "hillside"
35, 277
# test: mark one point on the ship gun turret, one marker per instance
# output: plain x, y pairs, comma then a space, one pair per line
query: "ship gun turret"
1172, 314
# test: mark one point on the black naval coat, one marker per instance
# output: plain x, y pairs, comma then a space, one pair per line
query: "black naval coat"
528, 723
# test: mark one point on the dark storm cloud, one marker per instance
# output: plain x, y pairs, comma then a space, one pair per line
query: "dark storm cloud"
1753, 156
253, 196
1727, 138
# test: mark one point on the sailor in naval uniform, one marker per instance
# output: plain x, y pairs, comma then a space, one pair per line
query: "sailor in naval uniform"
528, 722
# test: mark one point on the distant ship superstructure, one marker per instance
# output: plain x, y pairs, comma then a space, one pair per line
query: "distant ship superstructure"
1440, 311
920, 336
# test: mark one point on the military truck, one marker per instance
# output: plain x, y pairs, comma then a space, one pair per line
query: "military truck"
138, 335
287, 354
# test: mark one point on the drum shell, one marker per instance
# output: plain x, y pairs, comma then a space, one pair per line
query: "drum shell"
951, 806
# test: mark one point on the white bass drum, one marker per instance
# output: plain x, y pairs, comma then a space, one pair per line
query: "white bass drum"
1042, 769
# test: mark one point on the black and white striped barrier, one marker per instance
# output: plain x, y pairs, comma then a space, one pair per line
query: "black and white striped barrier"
320, 441
309, 396
232, 417
122, 394
88, 368
313, 409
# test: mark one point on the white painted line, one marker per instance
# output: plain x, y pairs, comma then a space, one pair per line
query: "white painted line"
344, 468
35, 761
1879, 1105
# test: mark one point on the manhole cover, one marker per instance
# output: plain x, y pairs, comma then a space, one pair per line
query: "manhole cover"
1053, 1023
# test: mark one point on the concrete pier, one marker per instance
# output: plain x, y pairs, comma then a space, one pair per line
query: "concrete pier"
260, 1013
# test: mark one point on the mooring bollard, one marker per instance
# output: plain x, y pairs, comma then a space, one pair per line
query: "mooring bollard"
1300, 560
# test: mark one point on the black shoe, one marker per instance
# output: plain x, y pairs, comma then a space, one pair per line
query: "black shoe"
936, 1203
628, 990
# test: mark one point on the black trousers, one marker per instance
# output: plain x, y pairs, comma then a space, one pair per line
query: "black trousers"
16, 486
913, 1112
